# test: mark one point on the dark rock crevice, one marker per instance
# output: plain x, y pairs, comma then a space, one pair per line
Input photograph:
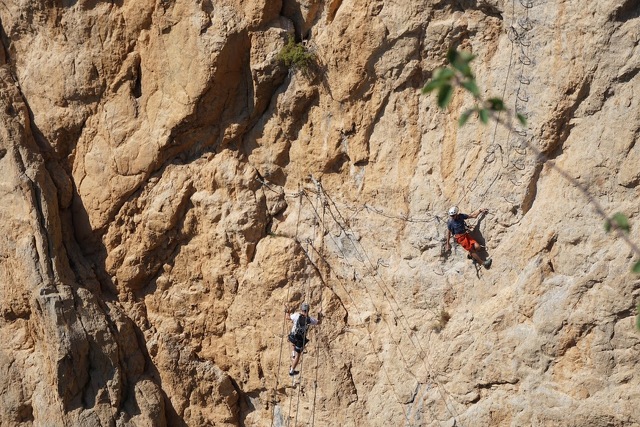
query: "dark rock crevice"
627, 10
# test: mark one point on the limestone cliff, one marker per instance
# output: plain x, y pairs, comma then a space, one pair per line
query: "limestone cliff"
169, 186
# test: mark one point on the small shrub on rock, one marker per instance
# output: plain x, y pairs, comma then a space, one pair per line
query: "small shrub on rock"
295, 55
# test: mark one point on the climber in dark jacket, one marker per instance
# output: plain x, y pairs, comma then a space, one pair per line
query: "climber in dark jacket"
458, 228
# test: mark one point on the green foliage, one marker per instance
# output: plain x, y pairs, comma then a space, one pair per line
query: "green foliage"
460, 60
459, 73
496, 104
472, 87
522, 119
484, 115
295, 55
464, 117
442, 81
618, 221
444, 95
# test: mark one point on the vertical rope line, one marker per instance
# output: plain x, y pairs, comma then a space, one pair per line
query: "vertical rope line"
289, 414
295, 423
275, 390
300, 192
315, 381
307, 297
300, 195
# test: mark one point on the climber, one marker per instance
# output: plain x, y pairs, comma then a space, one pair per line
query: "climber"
298, 336
457, 227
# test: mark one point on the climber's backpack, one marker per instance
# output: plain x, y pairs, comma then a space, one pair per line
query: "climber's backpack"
300, 330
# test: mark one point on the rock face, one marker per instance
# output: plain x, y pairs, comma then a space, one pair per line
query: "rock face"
168, 186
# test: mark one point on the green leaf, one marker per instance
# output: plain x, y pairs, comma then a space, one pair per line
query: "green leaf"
464, 68
432, 85
444, 74
484, 115
636, 268
621, 221
466, 56
472, 87
444, 95
464, 117
522, 119
441, 77
607, 225
460, 61
496, 104
452, 55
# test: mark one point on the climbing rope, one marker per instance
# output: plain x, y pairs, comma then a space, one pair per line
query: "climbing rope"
389, 297
283, 333
284, 320
308, 297
315, 381
323, 222
513, 158
295, 423
370, 337
367, 327
385, 290
362, 256
301, 359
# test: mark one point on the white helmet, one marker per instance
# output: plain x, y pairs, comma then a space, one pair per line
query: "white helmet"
453, 210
